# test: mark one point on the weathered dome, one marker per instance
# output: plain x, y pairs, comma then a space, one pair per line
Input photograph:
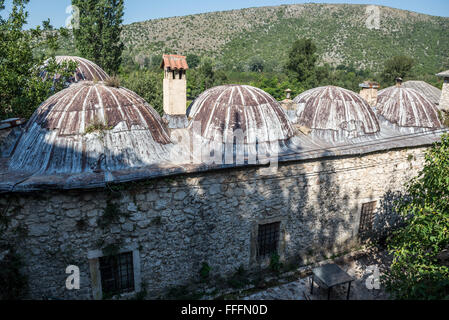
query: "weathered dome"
335, 113
222, 110
86, 70
407, 108
91, 128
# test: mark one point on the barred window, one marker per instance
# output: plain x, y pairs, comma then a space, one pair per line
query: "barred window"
268, 239
117, 274
367, 217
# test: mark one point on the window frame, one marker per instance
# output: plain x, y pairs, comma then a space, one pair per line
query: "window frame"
95, 272
277, 235
367, 215
120, 271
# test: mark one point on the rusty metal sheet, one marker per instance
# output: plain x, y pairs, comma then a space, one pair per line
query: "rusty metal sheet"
407, 108
225, 109
86, 70
335, 113
55, 139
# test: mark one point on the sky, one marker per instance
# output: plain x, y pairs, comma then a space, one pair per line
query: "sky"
141, 10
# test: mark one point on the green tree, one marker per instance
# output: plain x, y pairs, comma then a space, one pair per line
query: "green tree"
256, 64
420, 267
398, 66
22, 89
302, 61
193, 61
204, 77
147, 84
98, 35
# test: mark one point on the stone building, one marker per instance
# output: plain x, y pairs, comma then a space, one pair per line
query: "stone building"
444, 101
369, 92
97, 180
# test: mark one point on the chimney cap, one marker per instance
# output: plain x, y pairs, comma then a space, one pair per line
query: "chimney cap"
369, 85
174, 62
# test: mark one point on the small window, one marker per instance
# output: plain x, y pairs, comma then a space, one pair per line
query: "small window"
268, 239
117, 274
367, 217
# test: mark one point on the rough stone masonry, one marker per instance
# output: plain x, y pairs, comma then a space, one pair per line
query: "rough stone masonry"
174, 225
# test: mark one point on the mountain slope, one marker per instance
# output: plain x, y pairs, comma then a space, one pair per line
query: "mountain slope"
235, 37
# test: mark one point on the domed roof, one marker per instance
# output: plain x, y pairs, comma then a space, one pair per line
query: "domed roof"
223, 110
86, 70
335, 113
91, 128
407, 108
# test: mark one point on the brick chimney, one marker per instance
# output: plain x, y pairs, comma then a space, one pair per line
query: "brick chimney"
175, 90
369, 92
444, 100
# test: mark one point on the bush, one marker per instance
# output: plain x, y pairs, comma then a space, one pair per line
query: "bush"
419, 270
147, 84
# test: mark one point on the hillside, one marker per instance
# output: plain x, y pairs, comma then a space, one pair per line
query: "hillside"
235, 37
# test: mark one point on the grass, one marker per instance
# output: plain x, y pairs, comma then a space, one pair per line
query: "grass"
97, 126
113, 81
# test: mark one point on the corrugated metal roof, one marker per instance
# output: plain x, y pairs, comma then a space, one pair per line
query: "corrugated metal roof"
430, 92
91, 127
54, 151
223, 110
174, 62
335, 112
407, 108
304, 148
86, 70
444, 74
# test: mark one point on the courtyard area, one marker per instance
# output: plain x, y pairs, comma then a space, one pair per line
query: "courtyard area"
365, 266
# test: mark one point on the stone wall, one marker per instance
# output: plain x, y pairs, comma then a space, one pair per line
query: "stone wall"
177, 224
444, 101
370, 95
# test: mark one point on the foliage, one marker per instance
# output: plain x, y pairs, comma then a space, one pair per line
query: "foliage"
97, 126
302, 59
398, 66
233, 38
418, 270
22, 89
205, 272
239, 279
111, 214
206, 76
257, 64
113, 81
276, 86
275, 263
193, 61
147, 84
98, 37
